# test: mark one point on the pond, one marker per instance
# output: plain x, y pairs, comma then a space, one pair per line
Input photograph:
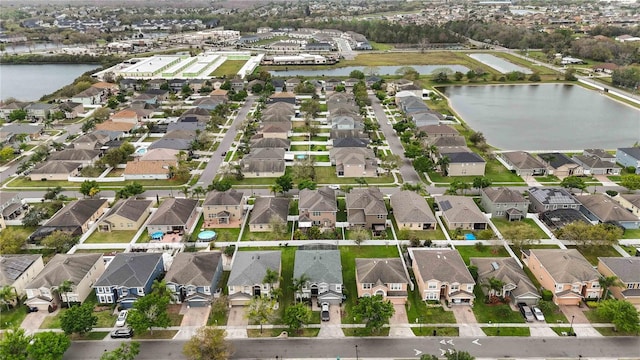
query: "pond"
545, 117
31, 82
499, 64
380, 70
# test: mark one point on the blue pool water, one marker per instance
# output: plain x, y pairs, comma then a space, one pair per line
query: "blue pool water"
206, 235
141, 151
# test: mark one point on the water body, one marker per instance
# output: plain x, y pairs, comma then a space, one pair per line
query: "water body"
545, 117
381, 70
31, 82
499, 64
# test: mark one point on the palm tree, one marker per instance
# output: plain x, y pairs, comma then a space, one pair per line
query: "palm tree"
198, 191
606, 282
297, 284
275, 189
270, 277
65, 288
493, 284
6, 294
185, 190
442, 163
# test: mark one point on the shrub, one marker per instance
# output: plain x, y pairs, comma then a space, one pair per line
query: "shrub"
611, 193
481, 247
547, 295
591, 304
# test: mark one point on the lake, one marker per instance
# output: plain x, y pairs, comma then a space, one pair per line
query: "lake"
380, 70
545, 117
31, 82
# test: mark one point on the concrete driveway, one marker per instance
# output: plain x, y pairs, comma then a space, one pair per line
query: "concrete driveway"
195, 316
581, 325
466, 320
399, 324
332, 328
237, 323
33, 320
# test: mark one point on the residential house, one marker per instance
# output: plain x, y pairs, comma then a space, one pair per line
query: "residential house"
461, 212
71, 109
148, 169
128, 214
323, 271
631, 202
278, 112
443, 142
248, 271
115, 126
265, 210
39, 111
560, 165
11, 132
603, 209
159, 154
600, 154
85, 157
82, 270
55, 170
317, 208
516, 285
7, 109
545, 199
292, 83
566, 273
276, 129
594, 165
346, 122
366, 209
271, 143
171, 143
627, 270
131, 116
10, 206
412, 212
462, 162
128, 277
439, 130
91, 141
523, 163
174, 215
441, 274
89, 96
331, 84
503, 202
208, 103
354, 162
18, 270
263, 162
629, 157
75, 218
386, 277
350, 142
223, 208
193, 277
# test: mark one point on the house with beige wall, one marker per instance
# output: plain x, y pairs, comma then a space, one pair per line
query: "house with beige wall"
127, 214
317, 208
223, 208
82, 270
461, 212
441, 274
412, 212
566, 273
627, 270
18, 270
366, 209
631, 202
265, 210
354, 162
384, 277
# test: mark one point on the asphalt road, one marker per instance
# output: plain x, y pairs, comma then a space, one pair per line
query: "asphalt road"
389, 348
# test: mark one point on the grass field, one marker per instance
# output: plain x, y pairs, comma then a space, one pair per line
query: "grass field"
494, 171
413, 58
436, 234
418, 309
122, 236
631, 234
23, 182
486, 251
439, 331
228, 68
506, 331
364, 332
503, 224
486, 313
592, 253
271, 333
12, 317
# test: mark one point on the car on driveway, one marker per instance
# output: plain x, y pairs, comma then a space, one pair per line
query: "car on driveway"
537, 313
324, 314
122, 318
526, 312
334, 187
122, 333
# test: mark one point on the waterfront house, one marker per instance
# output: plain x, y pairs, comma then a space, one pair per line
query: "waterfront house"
248, 271
441, 274
39, 111
560, 165
523, 163
595, 165
462, 161
193, 277
385, 277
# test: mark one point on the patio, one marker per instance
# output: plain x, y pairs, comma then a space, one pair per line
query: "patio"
213, 224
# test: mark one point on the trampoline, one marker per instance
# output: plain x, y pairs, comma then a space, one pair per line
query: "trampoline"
206, 235
157, 235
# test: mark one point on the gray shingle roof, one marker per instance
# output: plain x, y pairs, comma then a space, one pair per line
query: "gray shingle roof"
130, 270
442, 265
131, 209
503, 195
508, 271
460, 209
75, 155
522, 160
462, 157
627, 269
64, 267
634, 199
605, 208
369, 199
194, 268
320, 266
229, 197
594, 162
250, 267
265, 208
56, 167
323, 199
381, 271
14, 265
633, 152
76, 212
409, 207
566, 265
271, 143
173, 212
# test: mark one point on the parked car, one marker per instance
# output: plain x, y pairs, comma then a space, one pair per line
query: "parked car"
122, 318
334, 187
122, 333
324, 315
537, 313
526, 312
31, 309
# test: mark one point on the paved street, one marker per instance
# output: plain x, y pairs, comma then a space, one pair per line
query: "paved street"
386, 348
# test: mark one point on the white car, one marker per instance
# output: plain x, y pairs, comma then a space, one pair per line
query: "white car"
537, 313
122, 318
334, 187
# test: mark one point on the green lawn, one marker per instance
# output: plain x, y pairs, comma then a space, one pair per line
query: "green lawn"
486, 313
23, 182
380, 46
436, 234
486, 251
52, 321
94, 335
228, 68
12, 317
120, 236
554, 315
593, 316
144, 237
439, 331
341, 215
631, 234
417, 309
264, 236
359, 332
561, 330
348, 254
97, 251
506, 331
271, 333
592, 253
321, 158
494, 171
502, 224
227, 234
327, 175
174, 314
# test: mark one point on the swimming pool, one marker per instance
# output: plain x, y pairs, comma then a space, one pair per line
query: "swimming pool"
141, 151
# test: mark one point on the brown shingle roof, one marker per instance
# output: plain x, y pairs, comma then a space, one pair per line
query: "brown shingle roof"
381, 271
151, 167
442, 265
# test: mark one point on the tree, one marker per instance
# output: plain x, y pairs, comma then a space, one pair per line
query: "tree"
443, 164
126, 351
6, 153
423, 164
297, 284
441, 77
590, 235
631, 181
260, 310
223, 184
101, 114
458, 355
199, 190
481, 182
374, 310
296, 316
391, 162
311, 107
476, 138
356, 74
48, 346
361, 181
303, 169
621, 313
208, 343
285, 182
130, 190
17, 115
358, 235
32, 218
307, 184
457, 185
14, 344
89, 188
570, 74
275, 189
412, 151
573, 182
493, 286
11, 242
60, 241
607, 282
520, 235
150, 311
278, 227
7, 294
78, 319
270, 277
64, 288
